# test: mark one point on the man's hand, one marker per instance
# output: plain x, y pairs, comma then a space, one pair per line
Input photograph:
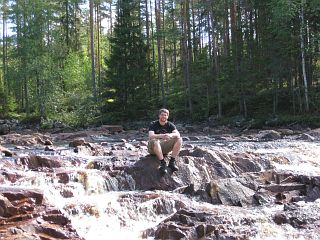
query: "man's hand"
166, 136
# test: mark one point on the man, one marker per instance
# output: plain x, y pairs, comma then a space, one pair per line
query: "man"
164, 138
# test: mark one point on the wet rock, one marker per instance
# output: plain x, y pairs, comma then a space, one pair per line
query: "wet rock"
195, 224
34, 162
99, 165
64, 176
300, 215
246, 162
48, 142
169, 232
306, 137
49, 149
230, 192
6, 208
6, 151
70, 135
77, 142
313, 193
112, 128
314, 133
66, 193
26, 139
280, 218
10, 175
286, 131
223, 172
89, 149
16, 194
24, 215
57, 218
268, 135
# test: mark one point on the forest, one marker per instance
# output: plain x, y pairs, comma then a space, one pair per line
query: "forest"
87, 62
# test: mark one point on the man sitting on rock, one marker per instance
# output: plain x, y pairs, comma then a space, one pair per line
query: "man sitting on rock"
164, 138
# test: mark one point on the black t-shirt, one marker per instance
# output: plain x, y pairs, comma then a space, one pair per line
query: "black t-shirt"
168, 127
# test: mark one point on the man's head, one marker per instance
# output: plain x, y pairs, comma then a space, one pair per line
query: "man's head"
163, 115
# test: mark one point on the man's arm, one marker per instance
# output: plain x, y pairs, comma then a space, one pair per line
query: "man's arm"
175, 133
152, 135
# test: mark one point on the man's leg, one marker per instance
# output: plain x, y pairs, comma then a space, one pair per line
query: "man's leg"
175, 152
176, 148
157, 150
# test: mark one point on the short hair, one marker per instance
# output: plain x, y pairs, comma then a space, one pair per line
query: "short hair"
164, 110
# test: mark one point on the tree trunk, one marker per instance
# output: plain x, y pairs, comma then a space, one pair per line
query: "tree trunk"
216, 64
165, 64
93, 76
148, 48
303, 61
67, 23
98, 21
226, 30
4, 84
153, 50
186, 56
160, 68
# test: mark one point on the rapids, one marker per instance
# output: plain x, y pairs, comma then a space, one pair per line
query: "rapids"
100, 209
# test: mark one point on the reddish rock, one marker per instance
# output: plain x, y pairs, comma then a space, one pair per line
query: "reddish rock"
24, 215
6, 151
77, 142
35, 162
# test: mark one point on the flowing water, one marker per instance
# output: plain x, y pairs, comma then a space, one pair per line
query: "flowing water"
96, 212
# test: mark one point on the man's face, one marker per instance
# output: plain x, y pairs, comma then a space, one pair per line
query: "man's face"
163, 117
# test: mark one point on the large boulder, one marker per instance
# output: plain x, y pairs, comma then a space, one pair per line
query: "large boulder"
25, 215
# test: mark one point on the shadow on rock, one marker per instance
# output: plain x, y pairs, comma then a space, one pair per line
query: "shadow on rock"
147, 176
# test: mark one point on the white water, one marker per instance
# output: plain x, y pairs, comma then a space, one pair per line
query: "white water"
298, 157
98, 215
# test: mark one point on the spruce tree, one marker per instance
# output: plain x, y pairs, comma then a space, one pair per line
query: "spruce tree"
126, 83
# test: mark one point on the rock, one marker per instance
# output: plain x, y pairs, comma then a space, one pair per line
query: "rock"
34, 162
269, 135
26, 139
4, 129
314, 133
112, 128
49, 149
306, 137
280, 218
6, 208
16, 194
77, 142
230, 192
192, 224
246, 162
6, 151
169, 232
286, 131
31, 216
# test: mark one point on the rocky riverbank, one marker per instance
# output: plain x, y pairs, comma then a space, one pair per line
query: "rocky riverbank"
224, 182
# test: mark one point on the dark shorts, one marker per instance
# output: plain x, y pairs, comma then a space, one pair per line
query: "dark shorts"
166, 145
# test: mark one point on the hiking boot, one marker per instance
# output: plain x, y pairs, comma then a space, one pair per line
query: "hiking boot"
172, 165
163, 167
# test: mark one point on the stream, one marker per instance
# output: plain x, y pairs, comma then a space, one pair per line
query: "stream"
100, 209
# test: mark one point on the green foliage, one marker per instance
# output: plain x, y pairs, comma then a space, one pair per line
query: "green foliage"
76, 109
126, 75
47, 70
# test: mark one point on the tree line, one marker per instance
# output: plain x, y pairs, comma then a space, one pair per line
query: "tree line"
88, 61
